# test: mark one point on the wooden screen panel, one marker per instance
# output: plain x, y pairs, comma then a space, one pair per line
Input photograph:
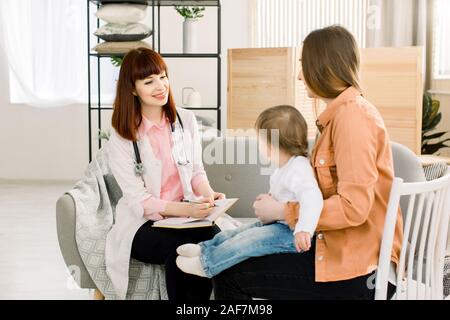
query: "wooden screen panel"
258, 79
392, 80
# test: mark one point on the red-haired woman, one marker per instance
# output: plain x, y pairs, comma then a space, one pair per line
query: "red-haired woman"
155, 155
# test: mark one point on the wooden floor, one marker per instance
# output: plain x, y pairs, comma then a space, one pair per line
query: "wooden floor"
31, 265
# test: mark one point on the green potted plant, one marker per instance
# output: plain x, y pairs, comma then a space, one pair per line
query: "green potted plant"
116, 61
191, 14
430, 120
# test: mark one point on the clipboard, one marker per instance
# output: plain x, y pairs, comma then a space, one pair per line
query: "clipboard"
220, 207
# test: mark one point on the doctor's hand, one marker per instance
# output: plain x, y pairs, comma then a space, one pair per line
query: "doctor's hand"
185, 209
207, 193
213, 196
198, 210
267, 209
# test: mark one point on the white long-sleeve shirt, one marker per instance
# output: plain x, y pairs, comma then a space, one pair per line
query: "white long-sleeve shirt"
295, 181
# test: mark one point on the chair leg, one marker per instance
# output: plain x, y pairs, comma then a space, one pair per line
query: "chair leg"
98, 295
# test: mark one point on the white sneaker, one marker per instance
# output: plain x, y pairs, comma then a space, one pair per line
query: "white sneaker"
191, 265
189, 250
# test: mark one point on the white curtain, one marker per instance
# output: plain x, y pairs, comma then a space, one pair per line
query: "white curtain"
286, 23
441, 39
45, 44
400, 23
396, 23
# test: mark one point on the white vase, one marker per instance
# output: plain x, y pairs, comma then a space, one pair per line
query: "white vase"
190, 35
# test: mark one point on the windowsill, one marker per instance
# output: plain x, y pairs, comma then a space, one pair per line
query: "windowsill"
439, 92
427, 159
442, 77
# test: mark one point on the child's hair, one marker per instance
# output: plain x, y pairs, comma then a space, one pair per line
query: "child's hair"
293, 129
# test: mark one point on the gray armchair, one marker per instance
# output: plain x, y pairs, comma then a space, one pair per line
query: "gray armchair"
235, 180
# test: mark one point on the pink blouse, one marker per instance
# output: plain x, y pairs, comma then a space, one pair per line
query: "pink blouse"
171, 188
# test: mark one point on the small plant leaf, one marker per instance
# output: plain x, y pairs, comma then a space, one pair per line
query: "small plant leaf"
434, 135
116, 61
190, 12
431, 117
432, 148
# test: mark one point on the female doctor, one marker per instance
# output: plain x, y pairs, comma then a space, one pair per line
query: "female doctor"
155, 155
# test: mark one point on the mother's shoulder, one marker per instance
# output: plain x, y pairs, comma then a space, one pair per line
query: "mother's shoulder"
356, 107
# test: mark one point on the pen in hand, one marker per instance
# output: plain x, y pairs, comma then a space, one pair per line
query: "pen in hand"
197, 202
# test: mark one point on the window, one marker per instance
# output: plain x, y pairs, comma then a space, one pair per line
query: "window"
286, 23
441, 42
46, 47
43, 42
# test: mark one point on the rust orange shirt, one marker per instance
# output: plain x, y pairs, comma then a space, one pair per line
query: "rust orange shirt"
352, 161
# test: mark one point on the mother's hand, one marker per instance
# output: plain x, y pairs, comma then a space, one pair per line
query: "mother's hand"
267, 209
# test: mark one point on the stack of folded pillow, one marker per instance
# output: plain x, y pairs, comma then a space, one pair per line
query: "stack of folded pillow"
123, 30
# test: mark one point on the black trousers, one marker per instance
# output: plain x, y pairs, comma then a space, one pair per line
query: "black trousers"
158, 246
288, 276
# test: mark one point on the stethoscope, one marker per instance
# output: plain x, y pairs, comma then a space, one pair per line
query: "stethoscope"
182, 158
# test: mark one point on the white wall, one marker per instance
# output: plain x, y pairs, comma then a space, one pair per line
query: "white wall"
52, 144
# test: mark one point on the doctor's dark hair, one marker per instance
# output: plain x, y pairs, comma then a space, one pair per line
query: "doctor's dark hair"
330, 61
293, 129
137, 64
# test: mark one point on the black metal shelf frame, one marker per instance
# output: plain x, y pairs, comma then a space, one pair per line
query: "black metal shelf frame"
166, 3
156, 17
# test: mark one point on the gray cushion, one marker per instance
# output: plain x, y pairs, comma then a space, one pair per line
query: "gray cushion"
406, 164
237, 180
408, 167
113, 189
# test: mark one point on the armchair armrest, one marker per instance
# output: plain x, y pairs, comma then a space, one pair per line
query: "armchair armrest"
65, 226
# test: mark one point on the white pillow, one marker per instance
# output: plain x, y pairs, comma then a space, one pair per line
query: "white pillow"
114, 28
122, 13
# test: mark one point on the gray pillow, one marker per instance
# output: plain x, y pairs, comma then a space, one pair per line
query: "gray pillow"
113, 189
124, 37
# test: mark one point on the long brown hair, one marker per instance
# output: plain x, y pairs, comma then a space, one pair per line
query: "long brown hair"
293, 129
330, 61
138, 64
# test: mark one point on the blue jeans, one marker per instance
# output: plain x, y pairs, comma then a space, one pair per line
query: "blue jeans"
230, 247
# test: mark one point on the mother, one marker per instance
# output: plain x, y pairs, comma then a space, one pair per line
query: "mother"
353, 163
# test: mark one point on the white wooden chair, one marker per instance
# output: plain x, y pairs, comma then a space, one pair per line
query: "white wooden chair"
426, 224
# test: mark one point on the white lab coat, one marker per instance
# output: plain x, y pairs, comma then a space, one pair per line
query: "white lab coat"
129, 211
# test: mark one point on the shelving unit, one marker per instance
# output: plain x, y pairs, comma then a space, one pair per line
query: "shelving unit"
155, 6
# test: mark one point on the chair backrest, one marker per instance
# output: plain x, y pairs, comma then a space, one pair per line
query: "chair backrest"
426, 227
